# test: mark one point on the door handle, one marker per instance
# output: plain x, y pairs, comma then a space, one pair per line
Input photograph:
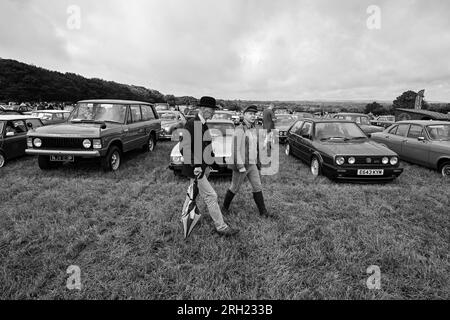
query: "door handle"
125, 130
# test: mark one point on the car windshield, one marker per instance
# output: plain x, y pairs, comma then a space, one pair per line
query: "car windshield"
89, 112
336, 130
221, 129
42, 115
224, 116
167, 115
358, 119
439, 132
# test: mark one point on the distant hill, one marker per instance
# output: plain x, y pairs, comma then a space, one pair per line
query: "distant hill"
23, 82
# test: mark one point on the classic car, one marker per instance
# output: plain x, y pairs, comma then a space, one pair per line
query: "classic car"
383, 121
221, 136
99, 129
340, 150
225, 115
161, 106
51, 116
170, 121
363, 120
282, 124
191, 113
302, 115
423, 142
13, 135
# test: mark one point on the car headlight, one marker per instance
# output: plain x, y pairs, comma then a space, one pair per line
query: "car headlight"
385, 160
37, 142
394, 161
167, 129
97, 143
29, 142
340, 161
177, 159
87, 143
351, 160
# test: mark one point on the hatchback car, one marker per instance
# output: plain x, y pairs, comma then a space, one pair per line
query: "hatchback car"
282, 124
13, 135
340, 150
426, 143
100, 129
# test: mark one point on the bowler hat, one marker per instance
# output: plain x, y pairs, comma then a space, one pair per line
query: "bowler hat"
251, 108
207, 102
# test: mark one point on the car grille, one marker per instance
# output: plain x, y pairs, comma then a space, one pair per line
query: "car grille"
367, 160
62, 143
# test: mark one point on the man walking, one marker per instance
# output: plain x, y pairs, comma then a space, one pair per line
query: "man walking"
193, 150
246, 163
268, 124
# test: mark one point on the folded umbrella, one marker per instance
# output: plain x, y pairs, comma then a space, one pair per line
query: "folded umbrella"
190, 214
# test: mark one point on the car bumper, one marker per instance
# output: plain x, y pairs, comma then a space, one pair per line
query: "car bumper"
76, 153
165, 136
351, 174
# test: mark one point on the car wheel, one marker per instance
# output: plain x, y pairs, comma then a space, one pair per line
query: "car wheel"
151, 144
113, 159
445, 169
45, 163
315, 166
288, 149
2, 160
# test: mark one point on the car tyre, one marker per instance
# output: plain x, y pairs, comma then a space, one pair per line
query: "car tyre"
2, 160
315, 166
445, 169
151, 144
45, 163
113, 159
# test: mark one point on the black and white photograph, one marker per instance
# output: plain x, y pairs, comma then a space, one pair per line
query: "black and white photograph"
242, 152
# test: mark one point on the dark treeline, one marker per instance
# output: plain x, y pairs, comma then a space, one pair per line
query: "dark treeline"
22, 82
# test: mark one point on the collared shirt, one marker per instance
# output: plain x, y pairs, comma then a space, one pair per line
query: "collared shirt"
201, 118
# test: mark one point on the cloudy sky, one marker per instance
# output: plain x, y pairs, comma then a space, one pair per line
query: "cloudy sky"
240, 49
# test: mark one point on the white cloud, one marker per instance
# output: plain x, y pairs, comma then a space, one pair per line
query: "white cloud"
240, 49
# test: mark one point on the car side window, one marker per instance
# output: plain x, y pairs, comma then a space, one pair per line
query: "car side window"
415, 131
129, 120
147, 113
136, 113
296, 127
402, 130
393, 130
306, 129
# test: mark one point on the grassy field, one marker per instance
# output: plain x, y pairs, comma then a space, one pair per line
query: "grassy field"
123, 231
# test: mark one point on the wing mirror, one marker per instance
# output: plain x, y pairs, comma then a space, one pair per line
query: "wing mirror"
421, 139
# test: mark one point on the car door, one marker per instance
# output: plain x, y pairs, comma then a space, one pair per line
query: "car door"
304, 144
152, 123
128, 135
294, 138
397, 137
414, 150
136, 128
16, 144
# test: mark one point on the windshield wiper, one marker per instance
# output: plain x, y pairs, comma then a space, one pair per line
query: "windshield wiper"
358, 138
336, 138
87, 121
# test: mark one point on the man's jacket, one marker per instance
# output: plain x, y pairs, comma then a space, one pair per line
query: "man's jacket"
245, 148
268, 119
194, 159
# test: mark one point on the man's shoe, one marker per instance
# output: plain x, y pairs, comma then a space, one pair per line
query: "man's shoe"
228, 232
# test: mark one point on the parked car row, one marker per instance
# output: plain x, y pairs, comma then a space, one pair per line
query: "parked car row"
342, 147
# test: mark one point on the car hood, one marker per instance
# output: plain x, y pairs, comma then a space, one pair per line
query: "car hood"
221, 147
72, 130
365, 148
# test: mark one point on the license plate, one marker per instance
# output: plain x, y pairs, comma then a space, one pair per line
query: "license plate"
368, 172
62, 158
